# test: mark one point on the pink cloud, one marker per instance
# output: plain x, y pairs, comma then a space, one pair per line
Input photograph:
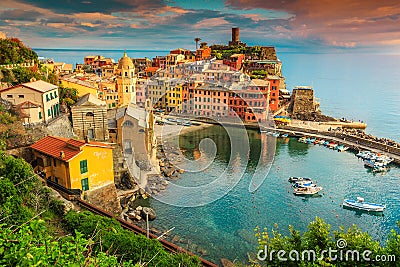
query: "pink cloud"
212, 22
348, 22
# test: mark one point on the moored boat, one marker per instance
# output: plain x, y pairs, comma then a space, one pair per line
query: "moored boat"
302, 191
361, 205
303, 184
341, 148
293, 179
321, 142
276, 134
285, 135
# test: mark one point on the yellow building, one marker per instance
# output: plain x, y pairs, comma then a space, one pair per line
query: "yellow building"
83, 87
74, 164
126, 81
174, 98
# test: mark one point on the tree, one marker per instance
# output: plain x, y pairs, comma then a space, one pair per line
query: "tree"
13, 51
68, 96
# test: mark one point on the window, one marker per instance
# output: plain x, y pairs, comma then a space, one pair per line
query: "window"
20, 96
83, 166
85, 184
49, 112
47, 99
9, 96
51, 96
55, 93
54, 162
40, 114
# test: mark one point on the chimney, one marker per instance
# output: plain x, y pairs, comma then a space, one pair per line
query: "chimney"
62, 154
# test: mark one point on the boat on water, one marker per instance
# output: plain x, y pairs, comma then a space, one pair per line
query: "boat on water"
285, 135
326, 143
311, 141
302, 139
341, 148
316, 141
321, 142
361, 205
310, 190
293, 179
332, 145
276, 134
303, 184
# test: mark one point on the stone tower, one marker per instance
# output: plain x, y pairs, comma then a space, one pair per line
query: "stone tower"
126, 82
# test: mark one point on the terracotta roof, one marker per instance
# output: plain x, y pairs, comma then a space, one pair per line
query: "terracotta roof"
52, 146
152, 69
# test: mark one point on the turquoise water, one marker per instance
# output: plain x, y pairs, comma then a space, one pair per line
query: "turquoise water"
225, 227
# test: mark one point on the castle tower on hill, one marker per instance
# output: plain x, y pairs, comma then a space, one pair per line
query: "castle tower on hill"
126, 82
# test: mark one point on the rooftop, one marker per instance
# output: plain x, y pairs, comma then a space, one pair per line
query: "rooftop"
53, 146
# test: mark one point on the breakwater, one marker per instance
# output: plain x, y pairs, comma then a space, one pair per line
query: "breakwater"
356, 143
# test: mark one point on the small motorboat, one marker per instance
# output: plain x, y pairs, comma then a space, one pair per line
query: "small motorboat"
276, 134
298, 179
341, 148
361, 205
302, 139
303, 184
332, 145
316, 141
310, 190
311, 141
326, 143
321, 142
285, 135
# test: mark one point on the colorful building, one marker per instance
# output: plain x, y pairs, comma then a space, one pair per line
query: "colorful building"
74, 164
38, 100
126, 81
83, 87
274, 82
235, 61
174, 98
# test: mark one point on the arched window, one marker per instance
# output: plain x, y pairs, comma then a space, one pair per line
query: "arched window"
89, 114
128, 124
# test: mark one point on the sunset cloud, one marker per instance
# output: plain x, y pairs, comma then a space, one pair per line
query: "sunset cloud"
287, 24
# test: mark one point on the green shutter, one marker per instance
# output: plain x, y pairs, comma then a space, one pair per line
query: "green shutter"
85, 184
83, 166
40, 114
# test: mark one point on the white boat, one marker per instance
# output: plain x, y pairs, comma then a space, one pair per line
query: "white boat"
276, 134
361, 205
285, 135
341, 148
302, 139
321, 142
303, 184
293, 179
302, 191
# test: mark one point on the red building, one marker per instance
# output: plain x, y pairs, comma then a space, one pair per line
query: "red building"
235, 61
274, 82
204, 52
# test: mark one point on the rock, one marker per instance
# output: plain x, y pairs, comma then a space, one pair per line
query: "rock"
202, 251
150, 212
227, 263
164, 182
141, 191
176, 239
138, 217
139, 208
181, 170
169, 171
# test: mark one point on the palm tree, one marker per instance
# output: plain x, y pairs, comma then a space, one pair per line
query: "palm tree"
197, 40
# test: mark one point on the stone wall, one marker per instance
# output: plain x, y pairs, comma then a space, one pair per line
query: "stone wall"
105, 197
61, 126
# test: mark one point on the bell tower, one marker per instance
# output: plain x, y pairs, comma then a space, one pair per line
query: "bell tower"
126, 82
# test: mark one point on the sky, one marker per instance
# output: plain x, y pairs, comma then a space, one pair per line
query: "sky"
290, 25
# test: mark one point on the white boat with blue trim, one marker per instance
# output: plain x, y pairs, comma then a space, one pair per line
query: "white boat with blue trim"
361, 205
